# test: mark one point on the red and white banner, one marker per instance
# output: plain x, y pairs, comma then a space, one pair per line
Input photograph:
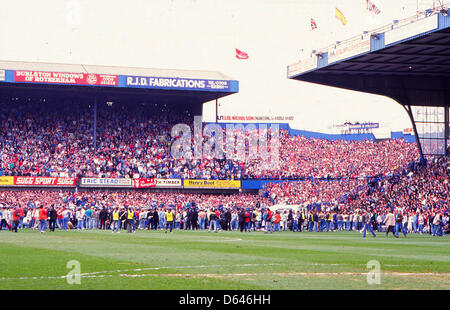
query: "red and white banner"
144, 183
241, 54
45, 181
65, 78
154, 182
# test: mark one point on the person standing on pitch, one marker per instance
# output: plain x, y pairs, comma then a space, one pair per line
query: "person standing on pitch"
169, 220
130, 217
268, 216
103, 216
42, 219
241, 217
21, 216
390, 222
52, 216
301, 220
227, 217
367, 221
15, 219
116, 220
399, 224
155, 219
212, 221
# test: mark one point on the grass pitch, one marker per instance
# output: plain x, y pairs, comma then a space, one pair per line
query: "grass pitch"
198, 260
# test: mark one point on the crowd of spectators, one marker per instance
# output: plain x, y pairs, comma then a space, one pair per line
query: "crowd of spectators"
303, 157
422, 187
420, 194
307, 192
334, 181
135, 141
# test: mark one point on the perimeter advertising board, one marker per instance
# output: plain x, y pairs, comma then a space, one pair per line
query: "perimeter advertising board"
6, 181
106, 182
158, 183
234, 184
70, 78
176, 83
45, 181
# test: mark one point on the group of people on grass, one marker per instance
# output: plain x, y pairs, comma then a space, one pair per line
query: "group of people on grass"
319, 218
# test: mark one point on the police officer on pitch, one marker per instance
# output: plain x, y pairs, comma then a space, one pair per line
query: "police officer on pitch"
52, 217
227, 218
130, 218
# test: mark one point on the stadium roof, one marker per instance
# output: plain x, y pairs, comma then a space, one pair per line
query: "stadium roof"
168, 85
408, 61
84, 68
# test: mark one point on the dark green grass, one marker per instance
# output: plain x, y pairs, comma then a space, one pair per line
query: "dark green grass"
225, 260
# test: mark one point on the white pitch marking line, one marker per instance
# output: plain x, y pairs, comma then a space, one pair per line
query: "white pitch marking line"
97, 273
86, 275
280, 274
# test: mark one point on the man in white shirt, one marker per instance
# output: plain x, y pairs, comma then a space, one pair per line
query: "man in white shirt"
80, 218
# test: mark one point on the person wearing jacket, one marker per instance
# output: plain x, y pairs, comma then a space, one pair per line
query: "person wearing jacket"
241, 218
52, 217
399, 224
389, 221
367, 222
43, 219
277, 221
155, 219
437, 223
130, 220
301, 220
21, 216
103, 216
247, 215
65, 220
212, 221
227, 217
15, 219
268, 217
169, 220
59, 221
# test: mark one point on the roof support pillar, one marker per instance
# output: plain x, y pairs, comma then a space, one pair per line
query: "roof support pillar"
95, 124
411, 117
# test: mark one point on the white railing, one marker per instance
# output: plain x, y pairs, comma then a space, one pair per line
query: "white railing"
419, 16
305, 65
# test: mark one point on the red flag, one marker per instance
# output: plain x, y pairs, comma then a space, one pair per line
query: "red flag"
241, 54
372, 7
313, 24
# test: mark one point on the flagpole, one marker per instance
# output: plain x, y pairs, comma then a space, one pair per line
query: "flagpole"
217, 113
